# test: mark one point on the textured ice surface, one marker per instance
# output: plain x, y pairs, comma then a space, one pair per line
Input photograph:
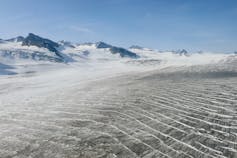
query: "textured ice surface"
174, 112
102, 106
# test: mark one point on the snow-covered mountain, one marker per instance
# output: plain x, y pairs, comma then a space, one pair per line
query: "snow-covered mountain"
36, 50
32, 48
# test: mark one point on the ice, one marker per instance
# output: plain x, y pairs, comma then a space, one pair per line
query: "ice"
101, 105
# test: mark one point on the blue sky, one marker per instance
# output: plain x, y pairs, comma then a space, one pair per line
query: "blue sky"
209, 25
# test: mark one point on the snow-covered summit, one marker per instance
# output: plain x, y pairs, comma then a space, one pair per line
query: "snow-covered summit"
34, 40
34, 49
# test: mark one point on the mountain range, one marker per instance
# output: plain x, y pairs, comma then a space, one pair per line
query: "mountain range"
39, 48
34, 49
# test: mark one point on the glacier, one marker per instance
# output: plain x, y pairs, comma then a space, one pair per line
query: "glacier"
94, 100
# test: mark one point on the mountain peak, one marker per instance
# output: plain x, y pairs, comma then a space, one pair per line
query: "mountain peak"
182, 52
102, 45
135, 47
123, 52
35, 40
117, 50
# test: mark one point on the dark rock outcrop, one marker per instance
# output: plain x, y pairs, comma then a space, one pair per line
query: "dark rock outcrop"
135, 47
34, 40
123, 52
117, 50
182, 52
102, 45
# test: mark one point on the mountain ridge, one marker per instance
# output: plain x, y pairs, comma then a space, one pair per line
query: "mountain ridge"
37, 48
34, 47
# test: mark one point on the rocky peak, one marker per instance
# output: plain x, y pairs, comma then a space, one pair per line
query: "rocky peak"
102, 45
123, 52
135, 47
34, 40
182, 52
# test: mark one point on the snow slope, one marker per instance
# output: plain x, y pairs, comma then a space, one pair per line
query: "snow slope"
101, 104
171, 58
73, 112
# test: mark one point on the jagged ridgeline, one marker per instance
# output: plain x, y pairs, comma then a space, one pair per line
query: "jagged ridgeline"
117, 50
34, 40
42, 49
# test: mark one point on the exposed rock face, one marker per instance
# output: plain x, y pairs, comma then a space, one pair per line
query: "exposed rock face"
117, 50
182, 52
102, 45
34, 40
123, 52
62, 51
135, 47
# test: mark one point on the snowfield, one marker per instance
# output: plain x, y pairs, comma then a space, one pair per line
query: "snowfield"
102, 104
139, 114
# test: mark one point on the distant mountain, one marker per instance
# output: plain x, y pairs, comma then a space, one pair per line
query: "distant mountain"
87, 44
34, 40
117, 50
34, 47
102, 45
123, 52
15, 48
136, 47
182, 52
34, 50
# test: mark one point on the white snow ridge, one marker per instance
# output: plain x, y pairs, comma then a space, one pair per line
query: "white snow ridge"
94, 100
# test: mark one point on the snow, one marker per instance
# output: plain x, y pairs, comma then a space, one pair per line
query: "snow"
156, 105
172, 59
89, 52
45, 78
18, 46
39, 78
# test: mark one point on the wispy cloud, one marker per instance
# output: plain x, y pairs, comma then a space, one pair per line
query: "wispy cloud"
80, 29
